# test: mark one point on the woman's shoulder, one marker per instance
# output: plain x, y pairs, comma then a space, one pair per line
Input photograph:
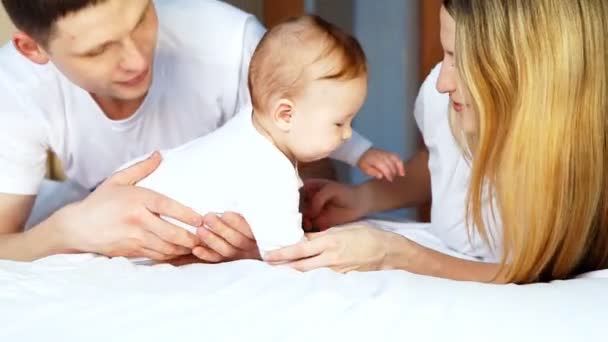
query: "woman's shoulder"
431, 106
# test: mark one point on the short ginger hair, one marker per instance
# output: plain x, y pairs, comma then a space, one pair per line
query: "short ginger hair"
298, 51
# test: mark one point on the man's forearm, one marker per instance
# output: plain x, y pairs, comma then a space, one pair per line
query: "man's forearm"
412, 190
41, 241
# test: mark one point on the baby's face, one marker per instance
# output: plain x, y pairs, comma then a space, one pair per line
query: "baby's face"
324, 113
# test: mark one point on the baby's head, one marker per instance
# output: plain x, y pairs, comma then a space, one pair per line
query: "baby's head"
308, 79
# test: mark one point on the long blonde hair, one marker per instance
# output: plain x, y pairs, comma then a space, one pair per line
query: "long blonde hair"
537, 74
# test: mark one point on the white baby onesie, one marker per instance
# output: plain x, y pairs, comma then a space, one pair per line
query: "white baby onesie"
235, 169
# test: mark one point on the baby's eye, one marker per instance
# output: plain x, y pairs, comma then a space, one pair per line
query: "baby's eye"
339, 125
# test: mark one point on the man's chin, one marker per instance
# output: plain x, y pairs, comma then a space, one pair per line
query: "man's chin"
130, 94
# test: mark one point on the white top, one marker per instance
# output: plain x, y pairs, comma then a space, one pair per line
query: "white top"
450, 173
199, 83
235, 169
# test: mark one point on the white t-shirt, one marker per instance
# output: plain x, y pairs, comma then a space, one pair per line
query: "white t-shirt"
450, 173
199, 83
235, 169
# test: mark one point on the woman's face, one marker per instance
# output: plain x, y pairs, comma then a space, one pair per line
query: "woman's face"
449, 80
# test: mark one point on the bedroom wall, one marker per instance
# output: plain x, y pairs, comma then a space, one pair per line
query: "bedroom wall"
390, 36
6, 27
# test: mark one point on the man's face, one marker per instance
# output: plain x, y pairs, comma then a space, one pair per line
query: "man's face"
108, 49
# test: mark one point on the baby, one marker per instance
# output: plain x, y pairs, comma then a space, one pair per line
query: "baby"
307, 80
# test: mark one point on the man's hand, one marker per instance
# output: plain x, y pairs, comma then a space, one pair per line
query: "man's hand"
120, 219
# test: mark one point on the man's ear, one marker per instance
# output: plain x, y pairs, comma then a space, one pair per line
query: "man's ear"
29, 48
283, 114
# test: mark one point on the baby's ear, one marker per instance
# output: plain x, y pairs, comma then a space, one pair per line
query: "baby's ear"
283, 114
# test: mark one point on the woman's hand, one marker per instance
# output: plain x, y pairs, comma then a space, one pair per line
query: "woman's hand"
351, 248
328, 203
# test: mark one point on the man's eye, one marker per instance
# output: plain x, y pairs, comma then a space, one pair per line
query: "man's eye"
97, 52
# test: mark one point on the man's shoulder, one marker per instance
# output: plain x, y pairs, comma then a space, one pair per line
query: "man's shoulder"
194, 5
22, 80
204, 34
199, 14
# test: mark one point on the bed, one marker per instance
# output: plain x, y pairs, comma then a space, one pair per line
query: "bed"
92, 298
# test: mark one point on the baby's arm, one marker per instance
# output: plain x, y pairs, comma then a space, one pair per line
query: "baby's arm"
358, 151
381, 164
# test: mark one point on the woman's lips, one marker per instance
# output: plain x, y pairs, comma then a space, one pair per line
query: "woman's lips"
459, 107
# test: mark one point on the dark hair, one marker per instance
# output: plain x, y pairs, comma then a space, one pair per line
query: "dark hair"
448, 6
37, 17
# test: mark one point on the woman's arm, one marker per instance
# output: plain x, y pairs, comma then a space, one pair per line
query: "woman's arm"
327, 204
407, 255
364, 248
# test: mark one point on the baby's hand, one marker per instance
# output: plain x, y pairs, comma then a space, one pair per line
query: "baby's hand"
381, 164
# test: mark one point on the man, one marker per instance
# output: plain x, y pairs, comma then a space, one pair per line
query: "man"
100, 82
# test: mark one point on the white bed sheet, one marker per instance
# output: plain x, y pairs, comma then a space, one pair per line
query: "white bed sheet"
91, 298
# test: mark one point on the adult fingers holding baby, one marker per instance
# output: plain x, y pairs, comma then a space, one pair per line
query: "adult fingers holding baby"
229, 237
325, 204
224, 238
119, 219
351, 248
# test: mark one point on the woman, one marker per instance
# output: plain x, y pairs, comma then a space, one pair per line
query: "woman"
528, 95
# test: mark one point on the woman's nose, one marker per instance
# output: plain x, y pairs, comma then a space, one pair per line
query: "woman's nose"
446, 83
